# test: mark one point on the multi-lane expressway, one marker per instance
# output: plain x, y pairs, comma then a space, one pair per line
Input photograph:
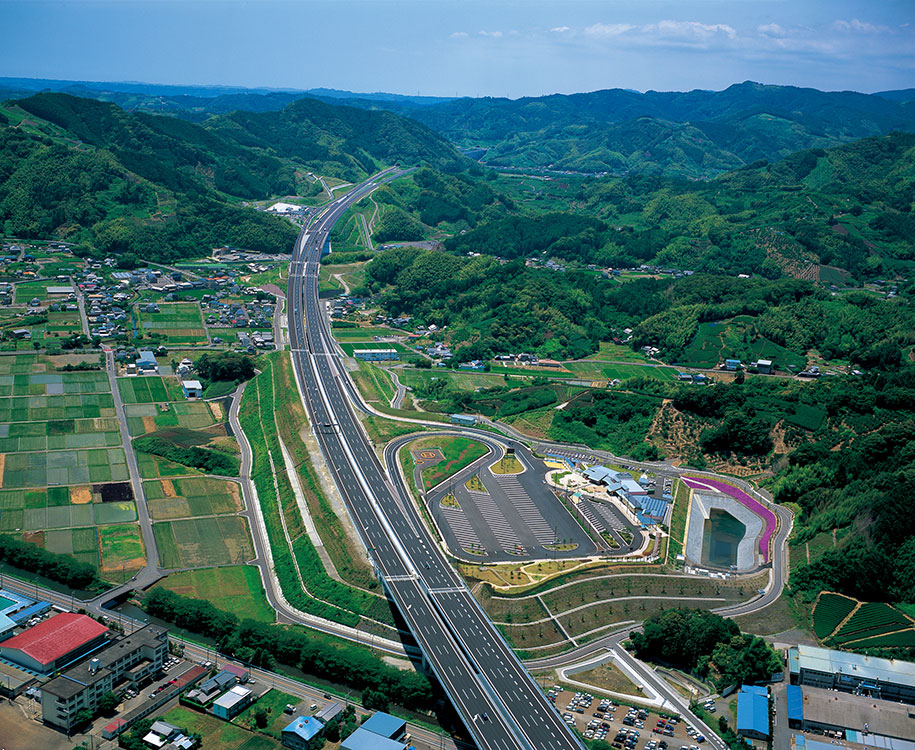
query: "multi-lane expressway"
500, 704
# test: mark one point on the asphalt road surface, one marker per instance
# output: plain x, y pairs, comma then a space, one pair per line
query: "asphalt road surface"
499, 703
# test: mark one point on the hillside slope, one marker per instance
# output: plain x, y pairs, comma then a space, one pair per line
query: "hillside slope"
694, 133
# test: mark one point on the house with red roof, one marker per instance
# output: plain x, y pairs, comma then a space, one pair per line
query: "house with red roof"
54, 643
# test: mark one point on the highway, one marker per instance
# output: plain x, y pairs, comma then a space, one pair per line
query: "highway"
499, 703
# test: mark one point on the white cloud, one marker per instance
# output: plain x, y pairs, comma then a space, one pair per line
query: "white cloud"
608, 29
690, 29
458, 35
491, 34
856, 25
560, 29
771, 29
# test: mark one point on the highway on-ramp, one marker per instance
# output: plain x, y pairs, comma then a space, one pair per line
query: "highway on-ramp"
499, 703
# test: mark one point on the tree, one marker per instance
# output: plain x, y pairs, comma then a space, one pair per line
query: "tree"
108, 703
260, 717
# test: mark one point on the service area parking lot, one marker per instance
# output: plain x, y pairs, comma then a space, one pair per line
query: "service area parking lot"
624, 727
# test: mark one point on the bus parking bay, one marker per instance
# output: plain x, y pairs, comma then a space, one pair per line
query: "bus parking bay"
623, 727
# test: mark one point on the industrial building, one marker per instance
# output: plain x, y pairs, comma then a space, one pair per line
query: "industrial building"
123, 664
888, 679
386, 725
753, 712
464, 420
854, 717
192, 388
375, 355
363, 739
54, 643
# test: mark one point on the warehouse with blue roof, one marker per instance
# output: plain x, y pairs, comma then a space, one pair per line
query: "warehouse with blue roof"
363, 739
753, 712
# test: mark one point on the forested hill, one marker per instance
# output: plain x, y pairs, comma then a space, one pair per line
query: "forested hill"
848, 207
328, 137
160, 187
694, 133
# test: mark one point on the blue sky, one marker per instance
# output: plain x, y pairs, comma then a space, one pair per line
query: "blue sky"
468, 48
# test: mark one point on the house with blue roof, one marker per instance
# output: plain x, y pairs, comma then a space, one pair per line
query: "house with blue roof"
301, 731
753, 712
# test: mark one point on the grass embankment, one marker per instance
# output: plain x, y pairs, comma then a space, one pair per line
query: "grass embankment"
678, 522
263, 407
458, 453
292, 422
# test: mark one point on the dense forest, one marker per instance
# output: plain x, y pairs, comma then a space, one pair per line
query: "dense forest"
695, 133
848, 207
161, 188
492, 307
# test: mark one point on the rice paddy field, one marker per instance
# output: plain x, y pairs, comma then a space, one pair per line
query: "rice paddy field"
203, 542
59, 508
153, 467
117, 550
149, 389
45, 408
192, 415
65, 467
191, 497
179, 323
236, 589
61, 434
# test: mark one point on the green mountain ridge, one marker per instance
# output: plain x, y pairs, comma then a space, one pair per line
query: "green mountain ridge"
162, 188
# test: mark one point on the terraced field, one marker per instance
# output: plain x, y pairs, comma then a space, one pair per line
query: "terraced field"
829, 611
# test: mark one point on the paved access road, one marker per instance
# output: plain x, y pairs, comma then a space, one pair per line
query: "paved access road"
499, 703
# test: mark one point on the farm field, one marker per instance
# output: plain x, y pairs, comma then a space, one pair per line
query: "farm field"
866, 625
829, 611
63, 467
61, 434
870, 621
595, 370
365, 333
53, 383
179, 323
608, 351
153, 467
236, 589
148, 389
218, 734
192, 415
47, 408
192, 496
465, 381
60, 507
117, 550
716, 341
203, 542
